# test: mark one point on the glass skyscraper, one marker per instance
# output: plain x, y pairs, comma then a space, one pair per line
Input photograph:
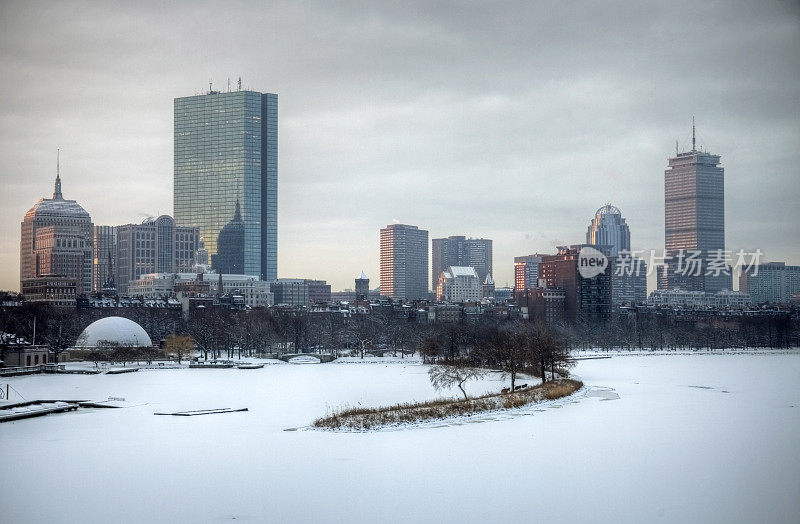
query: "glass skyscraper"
629, 276
104, 250
608, 228
226, 172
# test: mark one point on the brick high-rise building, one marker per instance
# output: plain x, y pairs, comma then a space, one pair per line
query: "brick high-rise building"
586, 300
526, 272
56, 239
404, 262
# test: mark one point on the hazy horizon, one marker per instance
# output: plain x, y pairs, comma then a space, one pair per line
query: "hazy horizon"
513, 122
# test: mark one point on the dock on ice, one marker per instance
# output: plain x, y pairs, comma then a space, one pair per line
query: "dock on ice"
35, 408
10, 411
203, 412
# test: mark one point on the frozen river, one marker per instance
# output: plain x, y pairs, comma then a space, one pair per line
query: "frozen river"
694, 438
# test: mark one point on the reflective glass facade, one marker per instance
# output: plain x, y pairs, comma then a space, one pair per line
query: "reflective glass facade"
226, 152
104, 250
608, 228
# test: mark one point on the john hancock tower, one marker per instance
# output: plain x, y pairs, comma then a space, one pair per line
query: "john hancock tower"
226, 174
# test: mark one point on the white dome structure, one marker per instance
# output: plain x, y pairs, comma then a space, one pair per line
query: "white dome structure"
114, 331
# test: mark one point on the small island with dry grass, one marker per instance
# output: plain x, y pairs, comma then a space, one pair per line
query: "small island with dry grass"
509, 350
361, 419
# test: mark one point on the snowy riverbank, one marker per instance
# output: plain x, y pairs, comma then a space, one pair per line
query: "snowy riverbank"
680, 438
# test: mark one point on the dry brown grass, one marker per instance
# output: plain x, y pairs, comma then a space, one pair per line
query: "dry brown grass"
368, 418
561, 388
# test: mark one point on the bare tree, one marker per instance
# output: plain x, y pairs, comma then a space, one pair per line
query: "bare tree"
179, 345
431, 346
445, 377
408, 337
362, 331
508, 347
97, 355
204, 328
148, 353
550, 351
58, 328
123, 354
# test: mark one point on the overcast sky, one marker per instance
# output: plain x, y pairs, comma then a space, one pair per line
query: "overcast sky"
512, 121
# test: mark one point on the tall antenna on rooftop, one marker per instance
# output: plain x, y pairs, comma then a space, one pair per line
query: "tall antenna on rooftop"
229, 84
693, 146
209, 86
57, 191
676, 148
240, 83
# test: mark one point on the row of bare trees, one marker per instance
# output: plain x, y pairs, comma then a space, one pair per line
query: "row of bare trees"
109, 351
650, 331
218, 332
279, 331
512, 346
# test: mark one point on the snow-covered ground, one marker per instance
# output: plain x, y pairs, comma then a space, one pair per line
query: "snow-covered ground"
691, 438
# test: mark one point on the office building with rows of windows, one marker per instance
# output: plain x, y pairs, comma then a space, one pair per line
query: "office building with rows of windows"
404, 262
694, 221
629, 275
156, 245
226, 177
56, 240
104, 250
461, 251
526, 272
773, 282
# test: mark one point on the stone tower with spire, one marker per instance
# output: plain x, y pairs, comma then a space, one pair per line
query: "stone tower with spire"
56, 239
487, 288
362, 287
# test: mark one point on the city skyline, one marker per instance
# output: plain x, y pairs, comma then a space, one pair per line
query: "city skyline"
495, 132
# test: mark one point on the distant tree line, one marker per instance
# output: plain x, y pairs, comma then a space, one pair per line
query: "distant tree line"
225, 333
664, 331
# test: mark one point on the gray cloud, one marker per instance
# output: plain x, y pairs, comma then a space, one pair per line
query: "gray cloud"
512, 121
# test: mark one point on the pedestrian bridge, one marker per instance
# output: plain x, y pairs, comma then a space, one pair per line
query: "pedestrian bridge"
323, 358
